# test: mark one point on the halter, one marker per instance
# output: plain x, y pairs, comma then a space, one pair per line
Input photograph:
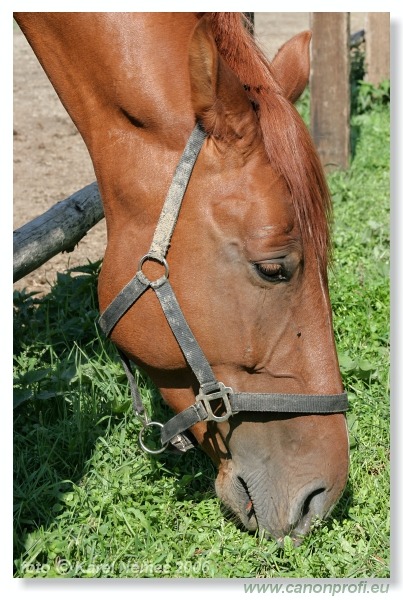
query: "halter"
211, 390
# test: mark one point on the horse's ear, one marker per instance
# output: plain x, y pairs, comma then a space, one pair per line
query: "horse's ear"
291, 65
218, 97
203, 64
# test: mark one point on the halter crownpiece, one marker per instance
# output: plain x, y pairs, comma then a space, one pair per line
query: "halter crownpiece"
211, 390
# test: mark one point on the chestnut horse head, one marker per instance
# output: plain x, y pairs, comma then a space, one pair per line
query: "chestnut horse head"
248, 254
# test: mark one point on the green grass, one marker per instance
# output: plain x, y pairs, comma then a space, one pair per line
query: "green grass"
89, 503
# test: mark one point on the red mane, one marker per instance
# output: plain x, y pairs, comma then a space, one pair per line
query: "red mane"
287, 141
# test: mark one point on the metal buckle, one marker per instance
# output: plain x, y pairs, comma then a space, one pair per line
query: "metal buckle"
144, 279
222, 394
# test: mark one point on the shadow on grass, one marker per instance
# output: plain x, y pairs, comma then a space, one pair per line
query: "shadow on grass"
71, 391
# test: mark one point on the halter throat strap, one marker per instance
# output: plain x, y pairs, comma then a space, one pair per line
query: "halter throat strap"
211, 392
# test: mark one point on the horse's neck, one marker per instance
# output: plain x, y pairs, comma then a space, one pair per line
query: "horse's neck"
124, 80
104, 63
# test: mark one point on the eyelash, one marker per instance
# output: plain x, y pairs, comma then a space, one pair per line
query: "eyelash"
271, 271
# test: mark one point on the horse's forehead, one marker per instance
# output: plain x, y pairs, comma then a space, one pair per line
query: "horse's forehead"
259, 211
270, 220
272, 205
268, 201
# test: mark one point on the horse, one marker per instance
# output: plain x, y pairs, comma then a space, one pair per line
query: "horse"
228, 309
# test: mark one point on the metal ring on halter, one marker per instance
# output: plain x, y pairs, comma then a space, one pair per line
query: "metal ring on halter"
144, 279
142, 443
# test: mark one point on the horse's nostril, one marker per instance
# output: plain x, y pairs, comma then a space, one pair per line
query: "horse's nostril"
249, 504
314, 505
312, 502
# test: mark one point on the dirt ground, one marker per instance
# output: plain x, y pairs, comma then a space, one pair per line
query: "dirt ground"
50, 159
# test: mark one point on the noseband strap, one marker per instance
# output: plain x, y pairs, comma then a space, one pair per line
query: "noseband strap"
215, 401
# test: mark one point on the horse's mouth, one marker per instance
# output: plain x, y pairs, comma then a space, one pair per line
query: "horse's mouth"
248, 513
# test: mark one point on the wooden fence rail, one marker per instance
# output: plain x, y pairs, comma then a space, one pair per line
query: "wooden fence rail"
58, 229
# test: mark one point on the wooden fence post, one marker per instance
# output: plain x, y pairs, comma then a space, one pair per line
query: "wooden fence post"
330, 88
377, 41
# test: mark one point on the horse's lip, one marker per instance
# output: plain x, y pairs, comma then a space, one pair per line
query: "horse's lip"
296, 539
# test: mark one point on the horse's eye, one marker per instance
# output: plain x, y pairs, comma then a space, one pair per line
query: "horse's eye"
271, 271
